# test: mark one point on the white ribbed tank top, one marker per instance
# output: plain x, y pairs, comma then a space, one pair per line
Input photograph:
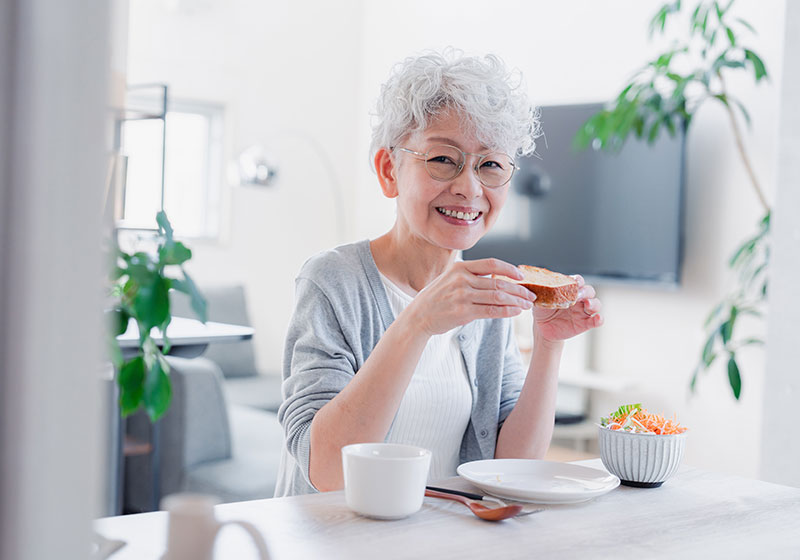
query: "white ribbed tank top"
436, 407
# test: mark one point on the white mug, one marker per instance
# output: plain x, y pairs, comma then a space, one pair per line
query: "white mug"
385, 480
192, 528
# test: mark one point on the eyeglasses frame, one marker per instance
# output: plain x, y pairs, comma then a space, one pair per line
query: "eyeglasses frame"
481, 157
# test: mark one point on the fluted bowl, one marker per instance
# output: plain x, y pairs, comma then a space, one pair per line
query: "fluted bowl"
641, 460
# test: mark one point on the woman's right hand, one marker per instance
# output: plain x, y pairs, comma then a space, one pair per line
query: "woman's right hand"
464, 292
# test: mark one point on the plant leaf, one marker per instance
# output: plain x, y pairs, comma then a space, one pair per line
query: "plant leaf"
759, 69
734, 378
695, 18
708, 350
198, 302
714, 312
164, 226
131, 385
731, 36
747, 25
744, 112
115, 352
732, 320
751, 342
151, 304
157, 391
119, 319
726, 328
745, 250
653, 134
693, 382
174, 253
141, 267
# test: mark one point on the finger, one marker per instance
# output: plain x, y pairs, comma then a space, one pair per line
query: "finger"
592, 306
499, 297
580, 280
484, 267
484, 283
586, 292
495, 311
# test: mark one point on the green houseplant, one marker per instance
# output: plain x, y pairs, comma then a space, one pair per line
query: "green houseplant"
663, 97
141, 282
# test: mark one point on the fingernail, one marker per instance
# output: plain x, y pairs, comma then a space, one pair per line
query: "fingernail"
527, 304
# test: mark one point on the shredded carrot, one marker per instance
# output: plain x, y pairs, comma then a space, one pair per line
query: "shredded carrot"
627, 415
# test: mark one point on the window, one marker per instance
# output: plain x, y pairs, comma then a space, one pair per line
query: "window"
192, 169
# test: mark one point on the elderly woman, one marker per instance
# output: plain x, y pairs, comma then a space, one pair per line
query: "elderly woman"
397, 339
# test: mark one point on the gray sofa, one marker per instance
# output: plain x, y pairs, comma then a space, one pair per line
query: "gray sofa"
220, 435
205, 445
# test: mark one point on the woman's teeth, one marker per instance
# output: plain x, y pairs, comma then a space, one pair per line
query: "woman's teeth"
469, 216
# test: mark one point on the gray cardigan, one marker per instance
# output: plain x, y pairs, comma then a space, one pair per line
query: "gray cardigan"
341, 311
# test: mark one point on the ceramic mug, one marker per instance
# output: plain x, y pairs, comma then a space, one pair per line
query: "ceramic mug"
192, 528
385, 480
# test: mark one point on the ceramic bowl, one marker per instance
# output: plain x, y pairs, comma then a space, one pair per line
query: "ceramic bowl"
641, 460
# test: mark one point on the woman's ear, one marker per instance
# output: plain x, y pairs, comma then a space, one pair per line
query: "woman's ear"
387, 172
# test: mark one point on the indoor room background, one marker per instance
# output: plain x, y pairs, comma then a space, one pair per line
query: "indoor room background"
299, 80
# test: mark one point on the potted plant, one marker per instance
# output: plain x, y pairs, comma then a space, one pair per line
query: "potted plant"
141, 282
660, 97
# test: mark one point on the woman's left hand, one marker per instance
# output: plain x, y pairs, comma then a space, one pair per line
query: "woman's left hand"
560, 324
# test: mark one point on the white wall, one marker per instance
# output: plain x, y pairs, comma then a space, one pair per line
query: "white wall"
316, 67
285, 72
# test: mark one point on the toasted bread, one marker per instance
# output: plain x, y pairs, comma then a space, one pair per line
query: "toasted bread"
553, 290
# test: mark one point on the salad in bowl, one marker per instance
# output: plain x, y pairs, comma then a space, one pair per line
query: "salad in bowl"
641, 448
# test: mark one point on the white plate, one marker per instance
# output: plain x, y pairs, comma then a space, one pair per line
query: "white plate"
541, 482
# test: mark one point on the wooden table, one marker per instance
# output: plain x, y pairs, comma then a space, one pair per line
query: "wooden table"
696, 514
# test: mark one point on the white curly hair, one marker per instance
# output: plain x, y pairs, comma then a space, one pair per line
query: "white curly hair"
490, 98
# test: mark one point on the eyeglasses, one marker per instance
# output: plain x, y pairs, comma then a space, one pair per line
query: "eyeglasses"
444, 163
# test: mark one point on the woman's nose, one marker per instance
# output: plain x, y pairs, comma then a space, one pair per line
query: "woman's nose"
467, 184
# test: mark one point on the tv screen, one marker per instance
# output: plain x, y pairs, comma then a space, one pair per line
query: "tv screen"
607, 216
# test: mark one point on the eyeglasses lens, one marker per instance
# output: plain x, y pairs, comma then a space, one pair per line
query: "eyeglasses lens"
495, 170
444, 162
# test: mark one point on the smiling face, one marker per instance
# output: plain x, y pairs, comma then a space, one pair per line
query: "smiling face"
451, 214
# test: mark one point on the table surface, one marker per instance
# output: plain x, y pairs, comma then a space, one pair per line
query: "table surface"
695, 514
184, 331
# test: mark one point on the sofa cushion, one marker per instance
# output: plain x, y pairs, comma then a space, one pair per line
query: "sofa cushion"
260, 391
253, 469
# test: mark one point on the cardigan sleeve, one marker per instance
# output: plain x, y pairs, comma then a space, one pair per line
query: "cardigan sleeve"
318, 363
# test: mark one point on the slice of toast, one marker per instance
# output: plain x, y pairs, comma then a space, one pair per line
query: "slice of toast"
553, 289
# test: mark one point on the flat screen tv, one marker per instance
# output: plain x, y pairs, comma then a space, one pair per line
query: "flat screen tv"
607, 216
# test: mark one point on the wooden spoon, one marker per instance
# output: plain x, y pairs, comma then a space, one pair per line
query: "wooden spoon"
489, 514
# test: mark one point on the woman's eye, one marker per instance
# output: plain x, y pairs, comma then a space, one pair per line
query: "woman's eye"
442, 159
492, 164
